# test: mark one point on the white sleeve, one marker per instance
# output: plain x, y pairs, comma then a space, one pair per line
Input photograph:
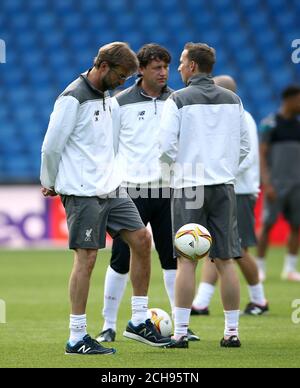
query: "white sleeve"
244, 142
62, 123
116, 119
169, 132
252, 156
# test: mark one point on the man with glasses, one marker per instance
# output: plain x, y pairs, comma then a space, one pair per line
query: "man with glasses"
78, 163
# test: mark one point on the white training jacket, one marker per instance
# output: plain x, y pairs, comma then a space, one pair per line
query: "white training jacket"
203, 134
248, 176
136, 119
78, 153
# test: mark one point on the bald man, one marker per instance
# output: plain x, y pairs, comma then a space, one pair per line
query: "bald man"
246, 189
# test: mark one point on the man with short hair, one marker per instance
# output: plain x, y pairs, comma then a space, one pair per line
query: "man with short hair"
78, 163
246, 189
280, 173
136, 115
203, 125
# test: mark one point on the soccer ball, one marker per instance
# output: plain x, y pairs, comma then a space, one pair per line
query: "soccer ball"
161, 320
193, 241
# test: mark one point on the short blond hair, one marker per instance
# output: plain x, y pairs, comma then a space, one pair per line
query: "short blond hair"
117, 54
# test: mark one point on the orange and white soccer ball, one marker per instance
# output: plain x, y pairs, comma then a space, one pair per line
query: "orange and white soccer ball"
193, 241
161, 320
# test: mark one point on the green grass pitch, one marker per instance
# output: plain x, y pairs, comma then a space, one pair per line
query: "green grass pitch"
34, 286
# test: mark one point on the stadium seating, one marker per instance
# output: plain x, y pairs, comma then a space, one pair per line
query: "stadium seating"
50, 42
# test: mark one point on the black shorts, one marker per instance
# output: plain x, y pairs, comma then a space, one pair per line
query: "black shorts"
246, 219
217, 213
287, 203
157, 212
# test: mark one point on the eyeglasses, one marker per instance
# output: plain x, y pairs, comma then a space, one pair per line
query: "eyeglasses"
122, 77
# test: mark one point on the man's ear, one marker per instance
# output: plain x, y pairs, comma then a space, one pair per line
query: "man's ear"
193, 65
104, 66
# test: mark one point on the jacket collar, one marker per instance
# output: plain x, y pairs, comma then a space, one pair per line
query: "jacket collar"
200, 78
138, 82
89, 84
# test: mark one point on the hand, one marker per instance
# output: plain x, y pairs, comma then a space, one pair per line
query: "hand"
270, 193
48, 192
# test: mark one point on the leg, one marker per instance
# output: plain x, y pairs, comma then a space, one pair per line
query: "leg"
163, 239
184, 294
84, 262
79, 285
230, 295
290, 263
85, 236
263, 241
293, 244
140, 328
114, 288
248, 267
140, 266
185, 283
229, 283
117, 276
258, 304
206, 288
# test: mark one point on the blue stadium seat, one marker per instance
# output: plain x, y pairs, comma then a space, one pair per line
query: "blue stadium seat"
49, 43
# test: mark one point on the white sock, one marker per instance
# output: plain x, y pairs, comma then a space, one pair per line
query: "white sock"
204, 295
114, 288
169, 280
231, 323
290, 263
261, 264
139, 306
181, 321
77, 328
257, 294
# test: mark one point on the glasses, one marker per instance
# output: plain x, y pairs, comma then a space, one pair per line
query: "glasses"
122, 77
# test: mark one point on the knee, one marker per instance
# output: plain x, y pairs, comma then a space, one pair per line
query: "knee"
91, 260
143, 241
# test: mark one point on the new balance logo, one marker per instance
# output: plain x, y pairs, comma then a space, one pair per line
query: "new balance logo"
83, 349
144, 333
88, 235
96, 115
141, 115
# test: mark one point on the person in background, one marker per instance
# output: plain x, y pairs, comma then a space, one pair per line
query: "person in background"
247, 190
280, 176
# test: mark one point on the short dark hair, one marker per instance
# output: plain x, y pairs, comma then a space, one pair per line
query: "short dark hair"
290, 91
152, 51
202, 54
117, 54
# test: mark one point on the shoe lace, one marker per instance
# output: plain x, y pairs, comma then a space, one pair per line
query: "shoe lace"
91, 342
151, 327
